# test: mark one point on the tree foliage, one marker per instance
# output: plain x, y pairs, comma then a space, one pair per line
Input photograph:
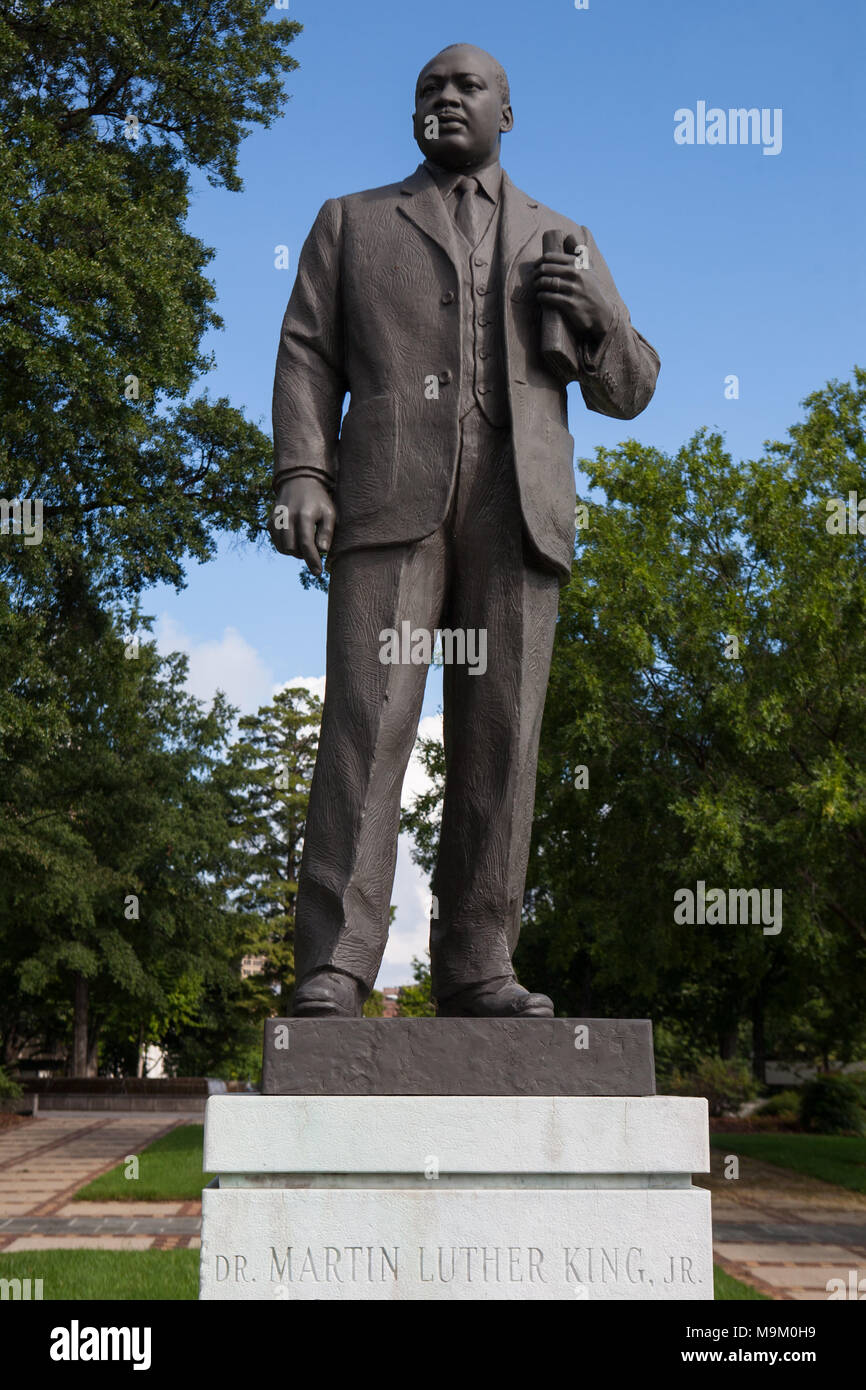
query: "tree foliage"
107, 109
114, 781
273, 762
114, 839
705, 722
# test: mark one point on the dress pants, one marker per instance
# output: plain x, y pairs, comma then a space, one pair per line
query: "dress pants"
474, 572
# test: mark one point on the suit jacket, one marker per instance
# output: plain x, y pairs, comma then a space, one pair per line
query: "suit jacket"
375, 311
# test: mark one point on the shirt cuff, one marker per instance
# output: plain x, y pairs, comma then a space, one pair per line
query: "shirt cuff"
282, 475
592, 355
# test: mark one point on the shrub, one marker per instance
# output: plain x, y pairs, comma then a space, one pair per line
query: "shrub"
9, 1089
785, 1103
832, 1105
726, 1084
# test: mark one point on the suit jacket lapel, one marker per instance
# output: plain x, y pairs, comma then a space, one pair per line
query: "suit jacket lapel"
519, 222
422, 204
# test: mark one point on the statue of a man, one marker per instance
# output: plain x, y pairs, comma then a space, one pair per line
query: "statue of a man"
445, 501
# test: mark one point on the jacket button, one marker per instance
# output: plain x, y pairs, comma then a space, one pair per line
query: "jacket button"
482, 289
448, 297
446, 377
483, 390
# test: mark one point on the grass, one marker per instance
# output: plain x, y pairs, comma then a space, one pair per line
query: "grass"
839, 1159
169, 1170
160, 1275
153, 1275
729, 1290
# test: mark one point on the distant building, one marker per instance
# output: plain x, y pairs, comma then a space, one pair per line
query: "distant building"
391, 1001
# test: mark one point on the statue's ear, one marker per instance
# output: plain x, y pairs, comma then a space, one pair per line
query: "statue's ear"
507, 122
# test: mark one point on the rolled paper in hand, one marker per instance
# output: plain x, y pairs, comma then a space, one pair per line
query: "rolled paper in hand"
558, 346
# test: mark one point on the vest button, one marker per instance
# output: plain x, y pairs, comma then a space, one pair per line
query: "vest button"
480, 261
484, 353
448, 297
482, 289
446, 377
483, 390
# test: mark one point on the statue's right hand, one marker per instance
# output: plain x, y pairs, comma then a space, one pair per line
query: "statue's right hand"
302, 521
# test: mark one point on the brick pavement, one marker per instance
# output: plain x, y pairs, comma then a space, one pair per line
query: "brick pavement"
781, 1232
44, 1161
784, 1233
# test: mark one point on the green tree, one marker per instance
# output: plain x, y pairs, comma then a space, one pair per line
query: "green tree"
104, 301
111, 887
273, 760
374, 1004
108, 115
671, 754
415, 1000
705, 721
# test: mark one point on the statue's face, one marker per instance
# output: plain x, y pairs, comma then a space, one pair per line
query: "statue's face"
459, 89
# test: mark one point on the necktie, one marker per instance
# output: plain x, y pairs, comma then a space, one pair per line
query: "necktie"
469, 214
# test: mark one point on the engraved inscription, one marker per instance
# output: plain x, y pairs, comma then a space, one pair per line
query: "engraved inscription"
334, 1264
578, 1268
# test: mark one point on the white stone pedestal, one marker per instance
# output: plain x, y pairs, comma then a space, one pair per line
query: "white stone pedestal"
456, 1197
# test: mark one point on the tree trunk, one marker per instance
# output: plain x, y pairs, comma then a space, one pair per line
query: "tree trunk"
142, 1052
728, 1042
585, 992
79, 1026
759, 1041
10, 1048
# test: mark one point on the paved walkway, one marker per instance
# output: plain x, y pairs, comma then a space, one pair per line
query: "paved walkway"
44, 1161
784, 1233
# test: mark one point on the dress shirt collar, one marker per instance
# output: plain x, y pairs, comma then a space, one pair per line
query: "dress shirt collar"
489, 179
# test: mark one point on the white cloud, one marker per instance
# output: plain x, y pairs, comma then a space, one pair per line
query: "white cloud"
231, 664
228, 663
315, 685
416, 779
410, 933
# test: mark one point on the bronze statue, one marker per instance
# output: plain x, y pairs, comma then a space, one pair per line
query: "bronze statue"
454, 309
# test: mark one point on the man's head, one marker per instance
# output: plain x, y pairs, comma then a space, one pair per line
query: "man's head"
462, 107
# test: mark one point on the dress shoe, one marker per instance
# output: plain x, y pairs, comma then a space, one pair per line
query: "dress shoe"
329, 994
501, 998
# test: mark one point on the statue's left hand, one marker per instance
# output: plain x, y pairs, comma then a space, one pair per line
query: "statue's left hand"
576, 293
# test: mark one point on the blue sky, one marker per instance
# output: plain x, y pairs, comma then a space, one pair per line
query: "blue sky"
731, 261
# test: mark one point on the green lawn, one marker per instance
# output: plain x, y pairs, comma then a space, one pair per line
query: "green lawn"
834, 1158
155, 1275
169, 1170
728, 1289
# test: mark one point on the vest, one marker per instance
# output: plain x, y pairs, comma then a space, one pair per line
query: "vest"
482, 376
